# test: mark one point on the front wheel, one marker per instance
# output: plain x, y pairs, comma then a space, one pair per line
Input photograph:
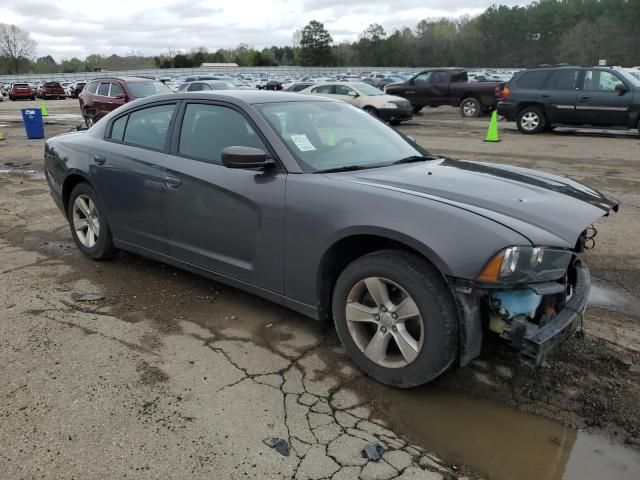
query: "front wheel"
371, 111
531, 120
417, 109
89, 226
396, 318
470, 107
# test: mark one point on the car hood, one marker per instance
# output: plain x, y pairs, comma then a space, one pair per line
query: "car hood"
547, 209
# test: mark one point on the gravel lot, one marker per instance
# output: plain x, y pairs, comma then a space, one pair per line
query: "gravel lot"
131, 368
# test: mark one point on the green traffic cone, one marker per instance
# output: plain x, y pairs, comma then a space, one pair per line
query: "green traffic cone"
43, 109
492, 133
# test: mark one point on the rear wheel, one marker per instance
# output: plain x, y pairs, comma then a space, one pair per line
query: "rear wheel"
89, 226
531, 120
470, 107
396, 318
395, 123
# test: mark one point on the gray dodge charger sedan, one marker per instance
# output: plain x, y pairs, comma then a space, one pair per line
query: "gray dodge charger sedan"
316, 205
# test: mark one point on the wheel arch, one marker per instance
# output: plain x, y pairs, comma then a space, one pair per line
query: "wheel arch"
69, 184
354, 244
523, 105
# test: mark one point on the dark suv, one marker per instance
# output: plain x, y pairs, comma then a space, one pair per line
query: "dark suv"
540, 98
104, 95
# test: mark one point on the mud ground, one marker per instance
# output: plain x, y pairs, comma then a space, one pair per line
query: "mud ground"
171, 375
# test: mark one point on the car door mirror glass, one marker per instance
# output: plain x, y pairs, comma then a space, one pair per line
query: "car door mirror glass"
245, 157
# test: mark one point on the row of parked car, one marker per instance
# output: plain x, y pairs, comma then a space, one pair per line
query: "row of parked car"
46, 90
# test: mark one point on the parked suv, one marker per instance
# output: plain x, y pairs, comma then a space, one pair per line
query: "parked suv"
542, 98
52, 90
76, 89
106, 94
21, 90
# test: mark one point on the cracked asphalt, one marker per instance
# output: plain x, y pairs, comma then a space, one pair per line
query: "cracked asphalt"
133, 386
169, 375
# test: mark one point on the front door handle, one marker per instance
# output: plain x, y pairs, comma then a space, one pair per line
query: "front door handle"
545, 96
585, 98
172, 182
99, 159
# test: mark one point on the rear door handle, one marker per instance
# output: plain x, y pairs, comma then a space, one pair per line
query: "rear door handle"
172, 182
545, 96
585, 98
99, 159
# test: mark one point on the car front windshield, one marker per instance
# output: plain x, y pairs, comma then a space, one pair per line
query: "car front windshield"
146, 89
368, 90
633, 76
334, 135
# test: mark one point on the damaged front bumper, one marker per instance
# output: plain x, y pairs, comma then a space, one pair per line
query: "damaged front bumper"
535, 347
535, 340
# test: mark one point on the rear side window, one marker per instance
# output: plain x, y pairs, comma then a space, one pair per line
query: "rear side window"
117, 129
92, 87
148, 127
533, 79
208, 129
103, 89
562, 80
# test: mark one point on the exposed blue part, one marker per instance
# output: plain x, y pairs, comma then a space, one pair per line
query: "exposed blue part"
518, 302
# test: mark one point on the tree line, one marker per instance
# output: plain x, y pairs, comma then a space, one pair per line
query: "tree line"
545, 31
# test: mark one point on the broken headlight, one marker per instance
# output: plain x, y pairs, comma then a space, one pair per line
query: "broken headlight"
526, 265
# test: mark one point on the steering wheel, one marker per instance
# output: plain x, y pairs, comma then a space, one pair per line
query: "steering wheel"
344, 141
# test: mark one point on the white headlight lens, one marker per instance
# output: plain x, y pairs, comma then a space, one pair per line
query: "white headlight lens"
389, 105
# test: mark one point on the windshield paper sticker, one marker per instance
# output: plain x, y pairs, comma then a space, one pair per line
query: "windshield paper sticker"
303, 143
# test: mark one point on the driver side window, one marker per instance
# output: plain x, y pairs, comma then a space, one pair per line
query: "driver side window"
422, 78
342, 90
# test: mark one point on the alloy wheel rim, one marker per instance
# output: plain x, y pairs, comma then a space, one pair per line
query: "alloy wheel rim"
85, 221
384, 322
469, 109
530, 121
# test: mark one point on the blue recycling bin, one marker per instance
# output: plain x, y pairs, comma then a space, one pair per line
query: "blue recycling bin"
32, 118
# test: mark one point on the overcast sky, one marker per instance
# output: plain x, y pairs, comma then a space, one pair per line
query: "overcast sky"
67, 28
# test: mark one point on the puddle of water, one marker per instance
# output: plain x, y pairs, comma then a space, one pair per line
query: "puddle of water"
609, 297
501, 443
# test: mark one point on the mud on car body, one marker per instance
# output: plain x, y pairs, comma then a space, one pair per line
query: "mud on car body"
319, 206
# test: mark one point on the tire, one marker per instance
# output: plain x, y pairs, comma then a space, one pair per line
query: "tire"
395, 123
417, 109
89, 118
433, 331
102, 245
371, 111
531, 120
470, 107
33, 98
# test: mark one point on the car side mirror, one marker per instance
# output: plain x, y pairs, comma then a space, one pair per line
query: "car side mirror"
353, 94
245, 157
121, 96
621, 88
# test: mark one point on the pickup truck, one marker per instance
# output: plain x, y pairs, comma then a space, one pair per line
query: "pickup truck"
448, 86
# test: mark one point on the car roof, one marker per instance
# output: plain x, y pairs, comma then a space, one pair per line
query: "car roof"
247, 97
349, 84
124, 79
